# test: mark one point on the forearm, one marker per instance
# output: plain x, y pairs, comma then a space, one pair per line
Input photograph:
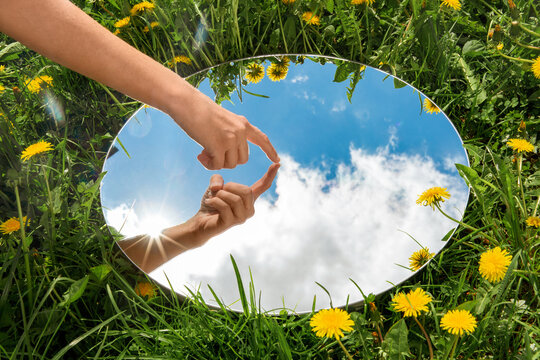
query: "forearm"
62, 32
150, 253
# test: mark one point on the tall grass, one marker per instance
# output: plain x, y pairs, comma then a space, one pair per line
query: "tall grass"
66, 291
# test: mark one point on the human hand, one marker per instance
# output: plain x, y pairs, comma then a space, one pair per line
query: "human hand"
226, 205
222, 133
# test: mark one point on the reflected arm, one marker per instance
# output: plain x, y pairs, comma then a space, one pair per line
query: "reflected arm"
149, 253
222, 206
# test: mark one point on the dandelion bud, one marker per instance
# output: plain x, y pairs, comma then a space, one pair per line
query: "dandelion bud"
497, 34
514, 28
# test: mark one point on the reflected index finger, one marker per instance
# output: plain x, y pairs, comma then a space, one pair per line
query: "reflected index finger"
265, 182
258, 138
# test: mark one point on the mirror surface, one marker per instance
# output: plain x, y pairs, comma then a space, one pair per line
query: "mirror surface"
357, 148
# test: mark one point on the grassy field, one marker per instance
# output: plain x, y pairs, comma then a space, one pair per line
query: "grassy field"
67, 293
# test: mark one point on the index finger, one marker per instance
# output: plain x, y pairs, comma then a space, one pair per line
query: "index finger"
265, 182
257, 137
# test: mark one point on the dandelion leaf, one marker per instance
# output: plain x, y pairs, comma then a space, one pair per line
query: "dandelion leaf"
396, 342
75, 291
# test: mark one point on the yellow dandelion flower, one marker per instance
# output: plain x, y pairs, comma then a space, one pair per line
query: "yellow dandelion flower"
145, 289
153, 24
287, 2
533, 221
116, 32
458, 322
2, 88
11, 225
35, 85
500, 46
520, 145
419, 258
494, 263
431, 107
37, 148
180, 59
454, 4
433, 196
283, 61
2, 68
276, 72
122, 22
142, 6
311, 18
331, 323
46, 79
360, 2
535, 67
412, 303
254, 73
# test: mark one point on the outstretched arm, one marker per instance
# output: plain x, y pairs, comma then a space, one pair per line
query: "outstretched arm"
62, 32
222, 206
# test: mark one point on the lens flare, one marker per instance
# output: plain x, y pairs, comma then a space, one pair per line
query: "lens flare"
54, 107
201, 34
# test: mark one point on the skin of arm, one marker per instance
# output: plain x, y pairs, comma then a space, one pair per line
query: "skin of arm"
65, 34
222, 206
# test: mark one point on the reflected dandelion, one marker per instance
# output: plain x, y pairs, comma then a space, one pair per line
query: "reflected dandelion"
276, 72
254, 73
431, 107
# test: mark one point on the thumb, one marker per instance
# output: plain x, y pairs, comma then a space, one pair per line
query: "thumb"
204, 158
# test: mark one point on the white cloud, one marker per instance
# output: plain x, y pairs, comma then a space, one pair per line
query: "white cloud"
326, 231
300, 79
339, 106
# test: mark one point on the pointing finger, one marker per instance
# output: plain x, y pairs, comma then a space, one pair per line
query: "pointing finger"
257, 137
265, 182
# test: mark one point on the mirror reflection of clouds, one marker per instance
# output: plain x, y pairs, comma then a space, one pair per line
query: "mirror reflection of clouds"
326, 231
351, 173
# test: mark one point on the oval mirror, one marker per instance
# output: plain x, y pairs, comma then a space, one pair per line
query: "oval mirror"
357, 148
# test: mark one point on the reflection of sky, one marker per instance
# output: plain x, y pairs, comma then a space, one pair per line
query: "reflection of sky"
314, 128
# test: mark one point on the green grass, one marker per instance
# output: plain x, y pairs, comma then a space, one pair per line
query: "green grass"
67, 292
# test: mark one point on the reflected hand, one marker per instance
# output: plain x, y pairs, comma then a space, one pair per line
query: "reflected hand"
226, 205
222, 134
222, 206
